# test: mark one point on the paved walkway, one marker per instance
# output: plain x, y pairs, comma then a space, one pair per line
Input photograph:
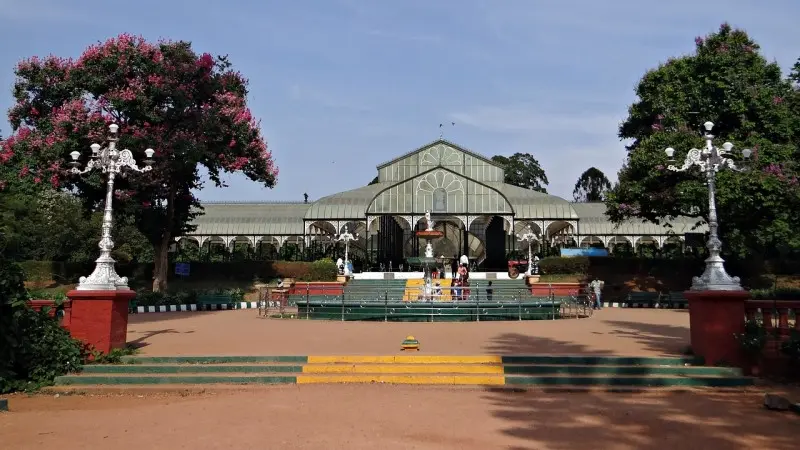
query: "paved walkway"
395, 417
612, 331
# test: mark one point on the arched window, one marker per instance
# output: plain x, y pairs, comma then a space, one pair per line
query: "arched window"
439, 200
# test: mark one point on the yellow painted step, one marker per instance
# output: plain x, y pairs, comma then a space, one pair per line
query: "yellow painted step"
406, 359
388, 369
414, 290
404, 379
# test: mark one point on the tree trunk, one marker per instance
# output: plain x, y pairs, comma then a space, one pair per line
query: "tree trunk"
161, 259
161, 250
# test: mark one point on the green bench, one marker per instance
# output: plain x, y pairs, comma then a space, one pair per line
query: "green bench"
643, 299
674, 300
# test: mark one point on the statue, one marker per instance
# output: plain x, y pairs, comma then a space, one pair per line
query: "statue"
429, 250
429, 221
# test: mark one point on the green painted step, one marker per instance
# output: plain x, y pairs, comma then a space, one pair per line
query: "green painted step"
646, 381
601, 360
213, 359
85, 380
621, 370
508, 369
190, 368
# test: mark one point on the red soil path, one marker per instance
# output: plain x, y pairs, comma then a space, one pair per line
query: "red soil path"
395, 417
631, 332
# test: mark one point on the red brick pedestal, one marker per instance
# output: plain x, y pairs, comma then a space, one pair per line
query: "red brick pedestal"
100, 318
714, 318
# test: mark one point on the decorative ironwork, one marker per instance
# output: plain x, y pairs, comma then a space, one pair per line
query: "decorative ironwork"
530, 237
711, 160
110, 161
346, 237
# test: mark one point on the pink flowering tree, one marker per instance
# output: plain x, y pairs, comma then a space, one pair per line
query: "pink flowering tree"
190, 108
726, 81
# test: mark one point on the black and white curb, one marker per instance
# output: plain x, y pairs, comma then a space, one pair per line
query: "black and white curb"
200, 307
675, 305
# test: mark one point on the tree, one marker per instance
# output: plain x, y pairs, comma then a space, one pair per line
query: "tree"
591, 186
726, 81
190, 108
374, 181
523, 170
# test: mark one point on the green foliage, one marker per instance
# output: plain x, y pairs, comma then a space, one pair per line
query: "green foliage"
191, 108
523, 170
139, 273
321, 270
34, 349
115, 356
559, 265
791, 347
162, 298
45, 224
754, 338
726, 81
591, 186
779, 293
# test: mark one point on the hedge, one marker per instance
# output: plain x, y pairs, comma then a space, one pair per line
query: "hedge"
583, 265
67, 272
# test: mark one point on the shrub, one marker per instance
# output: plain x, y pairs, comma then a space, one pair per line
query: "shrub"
321, 270
34, 349
578, 265
787, 293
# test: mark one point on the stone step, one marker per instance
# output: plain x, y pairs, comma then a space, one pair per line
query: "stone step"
423, 379
584, 360
374, 368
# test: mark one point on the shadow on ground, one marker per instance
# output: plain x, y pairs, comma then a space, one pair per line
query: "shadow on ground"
134, 319
665, 339
641, 421
523, 344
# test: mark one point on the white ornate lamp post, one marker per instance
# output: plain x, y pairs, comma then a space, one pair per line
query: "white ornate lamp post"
111, 161
710, 160
530, 237
346, 236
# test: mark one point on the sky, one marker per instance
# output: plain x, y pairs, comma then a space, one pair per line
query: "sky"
341, 86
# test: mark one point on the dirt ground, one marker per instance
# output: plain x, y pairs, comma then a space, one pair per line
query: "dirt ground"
395, 417
612, 331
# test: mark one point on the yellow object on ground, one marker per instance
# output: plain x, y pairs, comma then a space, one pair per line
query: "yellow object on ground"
414, 289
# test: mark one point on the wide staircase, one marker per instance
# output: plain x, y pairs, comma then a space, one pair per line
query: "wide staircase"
414, 290
533, 371
375, 290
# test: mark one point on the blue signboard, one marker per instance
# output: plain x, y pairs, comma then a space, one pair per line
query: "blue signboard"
182, 269
591, 251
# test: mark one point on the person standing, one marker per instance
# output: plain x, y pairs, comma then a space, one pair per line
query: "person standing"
454, 267
597, 290
489, 292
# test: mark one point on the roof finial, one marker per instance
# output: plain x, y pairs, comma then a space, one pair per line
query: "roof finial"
441, 129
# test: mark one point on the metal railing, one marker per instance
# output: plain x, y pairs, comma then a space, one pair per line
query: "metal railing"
399, 303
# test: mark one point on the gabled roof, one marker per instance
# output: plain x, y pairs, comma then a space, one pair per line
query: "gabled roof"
350, 204
436, 142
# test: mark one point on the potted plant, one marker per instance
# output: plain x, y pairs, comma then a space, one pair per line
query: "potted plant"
752, 342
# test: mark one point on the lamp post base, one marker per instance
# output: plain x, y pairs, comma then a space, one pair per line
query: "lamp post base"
104, 277
100, 318
715, 318
715, 278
